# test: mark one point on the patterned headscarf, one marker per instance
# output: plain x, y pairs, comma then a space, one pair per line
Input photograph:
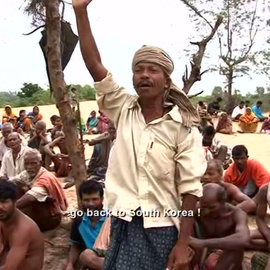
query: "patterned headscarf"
174, 95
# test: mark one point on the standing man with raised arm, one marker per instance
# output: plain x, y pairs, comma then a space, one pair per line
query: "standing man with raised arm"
156, 162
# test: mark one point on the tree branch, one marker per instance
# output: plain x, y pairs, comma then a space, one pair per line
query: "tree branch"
195, 74
195, 95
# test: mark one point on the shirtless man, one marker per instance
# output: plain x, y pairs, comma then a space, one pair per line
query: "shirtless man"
62, 166
224, 227
23, 244
214, 173
260, 238
38, 139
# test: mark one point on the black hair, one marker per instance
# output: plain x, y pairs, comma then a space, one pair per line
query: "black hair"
242, 102
90, 187
54, 117
8, 190
209, 131
218, 164
21, 111
239, 150
219, 99
259, 102
200, 103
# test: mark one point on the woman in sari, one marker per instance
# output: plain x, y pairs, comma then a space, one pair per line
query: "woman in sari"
248, 122
92, 123
35, 115
224, 125
8, 115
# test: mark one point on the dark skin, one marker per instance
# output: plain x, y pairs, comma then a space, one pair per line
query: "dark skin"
93, 201
223, 227
23, 241
207, 141
234, 195
157, 82
260, 238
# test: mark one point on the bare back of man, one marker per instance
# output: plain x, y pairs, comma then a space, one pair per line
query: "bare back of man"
223, 232
23, 243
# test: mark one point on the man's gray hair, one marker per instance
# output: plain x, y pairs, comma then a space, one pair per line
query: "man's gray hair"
32, 151
8, 124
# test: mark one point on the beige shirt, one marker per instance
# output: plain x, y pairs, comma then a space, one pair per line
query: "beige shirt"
151, 165
10, 168
40, 193
4, 148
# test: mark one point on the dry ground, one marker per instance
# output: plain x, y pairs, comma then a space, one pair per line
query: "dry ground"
56, 242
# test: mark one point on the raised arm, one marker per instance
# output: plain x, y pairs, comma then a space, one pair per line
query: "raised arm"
261, 213
88, 45
235, 241
242, 200
110, 96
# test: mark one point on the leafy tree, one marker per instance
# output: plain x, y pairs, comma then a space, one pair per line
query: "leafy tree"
28, 90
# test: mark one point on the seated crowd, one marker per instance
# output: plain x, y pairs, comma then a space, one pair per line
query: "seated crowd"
248, 118
32, 200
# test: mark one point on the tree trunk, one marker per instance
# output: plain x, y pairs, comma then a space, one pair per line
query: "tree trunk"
231, 100
75, 149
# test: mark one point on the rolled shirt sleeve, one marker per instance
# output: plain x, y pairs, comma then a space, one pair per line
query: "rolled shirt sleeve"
111, 97
40, 193
191, 164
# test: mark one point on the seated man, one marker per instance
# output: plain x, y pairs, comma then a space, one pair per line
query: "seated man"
13, 160
260, 238
247, 174
57, 126
7, 128
43, 197
215, 149
62, 166
256, 109
214, 173
85, 229
224, 230
214, 107
38, 139
21, 242
238, 111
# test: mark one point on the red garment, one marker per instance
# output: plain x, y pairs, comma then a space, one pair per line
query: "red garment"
49, 181
253, 170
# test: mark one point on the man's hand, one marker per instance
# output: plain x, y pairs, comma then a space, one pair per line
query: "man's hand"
81, 3
180, 256
196, 243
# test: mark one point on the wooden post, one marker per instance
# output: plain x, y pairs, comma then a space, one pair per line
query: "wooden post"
60, 92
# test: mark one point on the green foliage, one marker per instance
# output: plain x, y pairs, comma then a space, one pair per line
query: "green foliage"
244, 23
32, 94
259, 94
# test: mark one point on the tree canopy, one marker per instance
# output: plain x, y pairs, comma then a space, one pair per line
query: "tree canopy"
32, 94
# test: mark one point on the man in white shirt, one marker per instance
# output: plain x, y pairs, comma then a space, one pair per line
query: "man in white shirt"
8, 128
13, 160
238, 111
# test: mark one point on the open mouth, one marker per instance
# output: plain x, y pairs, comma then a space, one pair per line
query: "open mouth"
145, 84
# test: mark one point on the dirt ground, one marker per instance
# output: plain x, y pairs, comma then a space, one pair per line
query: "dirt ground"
56, 242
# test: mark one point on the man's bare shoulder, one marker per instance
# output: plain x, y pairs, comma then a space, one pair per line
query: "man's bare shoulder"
26, 228
238, 214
